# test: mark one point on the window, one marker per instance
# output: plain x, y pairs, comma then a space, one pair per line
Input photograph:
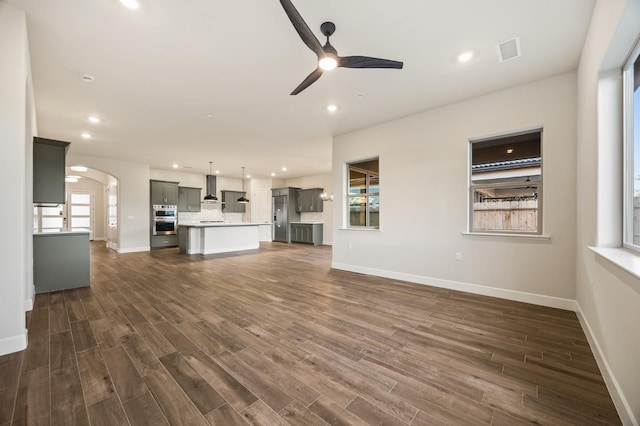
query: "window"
363, 194
631, 76
506, 184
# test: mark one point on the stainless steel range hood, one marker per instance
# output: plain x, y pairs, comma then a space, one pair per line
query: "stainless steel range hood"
211, 190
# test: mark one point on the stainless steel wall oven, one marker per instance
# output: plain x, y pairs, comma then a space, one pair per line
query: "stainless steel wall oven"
165, 220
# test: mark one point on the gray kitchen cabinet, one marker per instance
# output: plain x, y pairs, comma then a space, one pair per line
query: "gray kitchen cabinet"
276, 192
189, 199
60, 261
49, 171
230, 200
308, 233
161, 241
164, 193
309, 200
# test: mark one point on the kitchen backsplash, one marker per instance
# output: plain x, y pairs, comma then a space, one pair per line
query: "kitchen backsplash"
209, 211
311, 217
213, 212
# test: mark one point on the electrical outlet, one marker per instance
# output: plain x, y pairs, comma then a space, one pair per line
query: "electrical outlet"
349, 245
458, 256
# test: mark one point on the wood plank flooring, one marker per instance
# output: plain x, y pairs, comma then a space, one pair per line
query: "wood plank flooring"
275, 337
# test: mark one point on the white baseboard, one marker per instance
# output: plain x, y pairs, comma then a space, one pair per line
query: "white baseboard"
28, 303
622, 405
519, 296
132, 249
327, 243
13, 344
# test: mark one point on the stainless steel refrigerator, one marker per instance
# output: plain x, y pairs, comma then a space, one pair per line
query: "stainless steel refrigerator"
284, 212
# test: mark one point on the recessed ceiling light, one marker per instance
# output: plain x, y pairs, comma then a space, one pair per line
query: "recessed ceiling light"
272, 174
510, 151
332, 108
175, 166
94, 119
131, 4
360, 96
465, 56
70, 179
284, 169
217, 172
210, 115
88, 78
78, 168
86, 135
248, 176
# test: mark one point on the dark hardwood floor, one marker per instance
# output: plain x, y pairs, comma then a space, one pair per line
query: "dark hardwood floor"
275, 337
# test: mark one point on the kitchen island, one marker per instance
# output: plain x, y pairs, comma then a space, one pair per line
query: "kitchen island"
214, 237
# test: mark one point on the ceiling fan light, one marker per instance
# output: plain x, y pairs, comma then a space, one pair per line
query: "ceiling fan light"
327, 63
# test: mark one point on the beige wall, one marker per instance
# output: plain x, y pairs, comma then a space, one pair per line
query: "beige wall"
424, 196
133, 199
17, 123
608, 297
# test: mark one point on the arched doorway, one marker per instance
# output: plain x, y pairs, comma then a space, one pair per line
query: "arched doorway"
91, 204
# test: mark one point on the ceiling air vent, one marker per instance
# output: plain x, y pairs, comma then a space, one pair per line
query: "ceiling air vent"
508, 49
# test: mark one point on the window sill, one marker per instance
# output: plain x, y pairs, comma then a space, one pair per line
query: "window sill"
491, 234
360, 229
621, 257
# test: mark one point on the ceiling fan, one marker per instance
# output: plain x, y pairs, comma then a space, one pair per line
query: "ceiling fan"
328, 58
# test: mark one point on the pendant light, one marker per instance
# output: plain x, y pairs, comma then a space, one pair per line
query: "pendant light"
243, 199
211, 196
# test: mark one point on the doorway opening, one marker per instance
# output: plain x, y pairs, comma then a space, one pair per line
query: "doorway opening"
77, 214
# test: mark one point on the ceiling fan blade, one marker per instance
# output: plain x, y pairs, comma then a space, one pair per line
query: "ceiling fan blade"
311, 78
367, 62
302, 28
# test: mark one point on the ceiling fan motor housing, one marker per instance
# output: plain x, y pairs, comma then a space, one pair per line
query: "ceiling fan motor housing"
328, 28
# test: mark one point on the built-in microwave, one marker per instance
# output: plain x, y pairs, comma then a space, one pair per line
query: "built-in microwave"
165, 211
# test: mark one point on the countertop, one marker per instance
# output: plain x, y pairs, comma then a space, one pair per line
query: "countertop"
53, 234
216, 224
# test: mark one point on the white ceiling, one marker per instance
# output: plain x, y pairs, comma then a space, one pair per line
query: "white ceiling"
161, 69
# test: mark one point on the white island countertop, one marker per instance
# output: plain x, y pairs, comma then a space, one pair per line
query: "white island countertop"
208, 224
217, 237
